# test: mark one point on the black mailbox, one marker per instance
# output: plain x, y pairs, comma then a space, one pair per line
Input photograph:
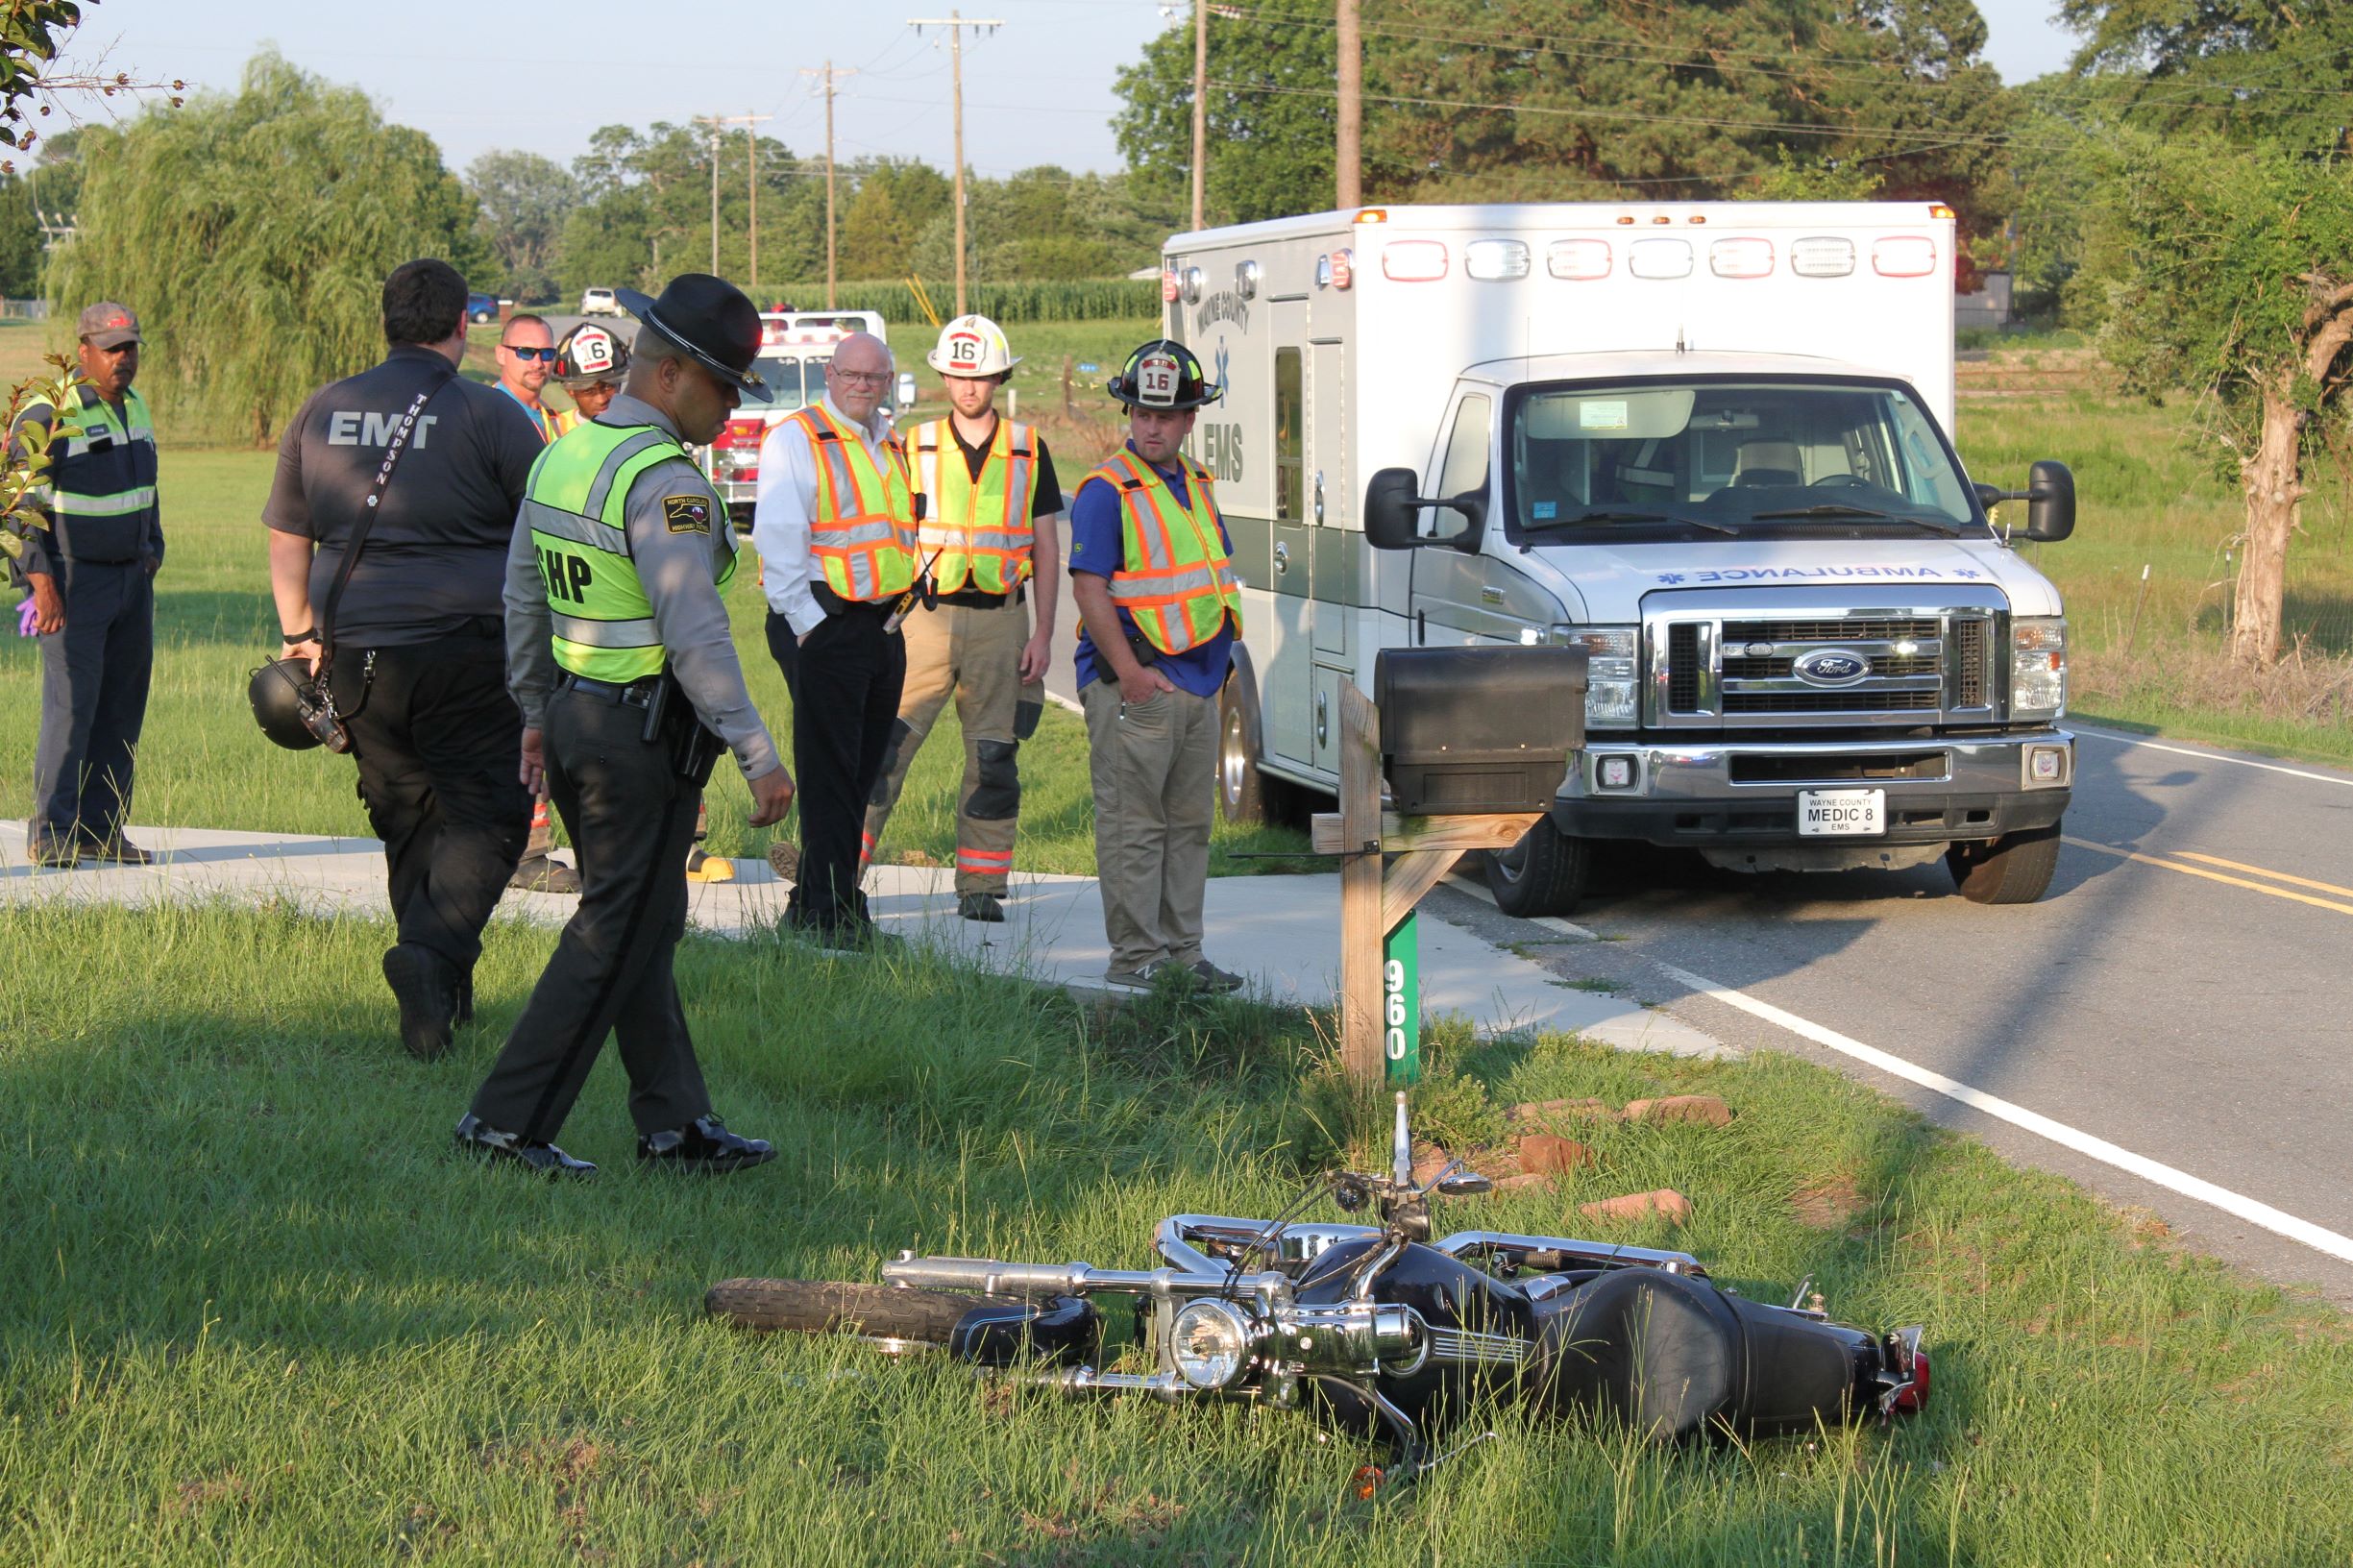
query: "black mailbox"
1467, 730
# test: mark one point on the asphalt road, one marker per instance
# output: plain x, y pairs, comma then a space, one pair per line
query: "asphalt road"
2182, 996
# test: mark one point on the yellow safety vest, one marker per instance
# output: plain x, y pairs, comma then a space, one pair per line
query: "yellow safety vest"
978, 530
565, 420
69, 490
1175, 580
862, 528
576, 508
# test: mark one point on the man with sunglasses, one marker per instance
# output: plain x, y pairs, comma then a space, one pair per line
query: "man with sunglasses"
834, 522
526, 359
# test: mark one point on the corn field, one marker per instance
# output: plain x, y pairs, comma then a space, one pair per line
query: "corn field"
1008, 305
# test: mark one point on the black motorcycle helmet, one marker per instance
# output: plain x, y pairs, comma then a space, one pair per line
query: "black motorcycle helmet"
1164, 374
284, 697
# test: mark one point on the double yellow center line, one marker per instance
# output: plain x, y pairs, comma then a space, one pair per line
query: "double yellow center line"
2174, 861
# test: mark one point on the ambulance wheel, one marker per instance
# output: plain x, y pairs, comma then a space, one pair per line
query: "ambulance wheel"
1544, 873
1246, 795
2014, 868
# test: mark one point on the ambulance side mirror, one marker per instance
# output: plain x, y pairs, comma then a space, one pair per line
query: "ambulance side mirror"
1391, 513
2050, 501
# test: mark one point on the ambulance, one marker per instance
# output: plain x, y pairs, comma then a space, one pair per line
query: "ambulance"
1708, 442
794, 347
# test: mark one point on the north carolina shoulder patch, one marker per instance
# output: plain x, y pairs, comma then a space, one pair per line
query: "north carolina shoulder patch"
687, 514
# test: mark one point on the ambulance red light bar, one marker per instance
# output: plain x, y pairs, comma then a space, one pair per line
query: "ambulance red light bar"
1414, 260
1167, 286
1904, 255
1578, 261
1343, 268
1741, 257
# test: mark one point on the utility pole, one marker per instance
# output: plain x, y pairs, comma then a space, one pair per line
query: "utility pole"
1201, 114
832, 79
956, 23
1348, 143
718, 124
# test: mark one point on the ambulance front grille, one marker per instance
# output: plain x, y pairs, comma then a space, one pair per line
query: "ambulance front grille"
1925, 669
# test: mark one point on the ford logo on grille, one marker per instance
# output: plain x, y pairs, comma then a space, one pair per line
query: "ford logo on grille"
1830, 666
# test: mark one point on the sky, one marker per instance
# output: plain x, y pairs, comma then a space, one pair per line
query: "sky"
541, 77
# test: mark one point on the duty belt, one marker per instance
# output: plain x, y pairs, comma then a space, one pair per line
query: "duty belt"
637, 693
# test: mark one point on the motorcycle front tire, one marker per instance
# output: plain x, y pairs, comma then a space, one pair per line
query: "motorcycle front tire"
876, 1311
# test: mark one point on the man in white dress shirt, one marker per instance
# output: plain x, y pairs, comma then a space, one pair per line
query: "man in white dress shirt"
835, 527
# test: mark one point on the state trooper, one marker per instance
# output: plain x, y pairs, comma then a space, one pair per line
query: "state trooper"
92, 576
591, 363
989, 533
833, 519
398, 593
618, 654
1151, 572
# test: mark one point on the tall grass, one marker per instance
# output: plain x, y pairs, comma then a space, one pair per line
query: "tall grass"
1008, 305
257, 1314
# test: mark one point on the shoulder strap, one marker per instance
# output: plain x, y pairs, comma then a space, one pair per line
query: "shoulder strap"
368, 506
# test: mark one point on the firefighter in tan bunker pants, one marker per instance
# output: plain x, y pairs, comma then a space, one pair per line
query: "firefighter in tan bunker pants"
991, 535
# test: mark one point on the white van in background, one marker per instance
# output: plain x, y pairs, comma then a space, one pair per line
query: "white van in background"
1709, 443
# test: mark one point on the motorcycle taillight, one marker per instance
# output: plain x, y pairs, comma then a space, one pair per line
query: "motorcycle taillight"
1916, 1397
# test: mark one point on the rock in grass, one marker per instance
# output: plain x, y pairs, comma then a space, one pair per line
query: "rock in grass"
1541, 1152
1707, 1110
1665, 1202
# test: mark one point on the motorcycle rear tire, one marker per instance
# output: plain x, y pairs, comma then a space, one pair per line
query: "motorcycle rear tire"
876, 1312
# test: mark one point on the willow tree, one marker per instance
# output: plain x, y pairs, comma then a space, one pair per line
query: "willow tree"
2228, 273
252, 231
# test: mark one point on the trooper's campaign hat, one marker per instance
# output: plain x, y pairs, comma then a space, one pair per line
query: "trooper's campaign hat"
710, 319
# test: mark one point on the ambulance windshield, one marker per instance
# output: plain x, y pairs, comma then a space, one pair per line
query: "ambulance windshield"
1748, 457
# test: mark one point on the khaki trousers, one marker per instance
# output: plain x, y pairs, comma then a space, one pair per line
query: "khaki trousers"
975, 655
1153, 766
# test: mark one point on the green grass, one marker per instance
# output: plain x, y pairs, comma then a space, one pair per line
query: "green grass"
2149, 497
260, 1315
203, 763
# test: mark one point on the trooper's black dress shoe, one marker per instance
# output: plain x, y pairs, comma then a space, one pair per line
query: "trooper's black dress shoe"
496, 1145
703, 1144
427, 988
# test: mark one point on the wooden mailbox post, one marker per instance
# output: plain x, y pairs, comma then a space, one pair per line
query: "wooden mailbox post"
1375, 902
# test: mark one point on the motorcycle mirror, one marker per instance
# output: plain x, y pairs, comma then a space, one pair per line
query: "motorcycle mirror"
1467, 1184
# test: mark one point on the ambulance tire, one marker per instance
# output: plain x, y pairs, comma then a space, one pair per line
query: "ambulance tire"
2014, 868
1247, 796
1544, 873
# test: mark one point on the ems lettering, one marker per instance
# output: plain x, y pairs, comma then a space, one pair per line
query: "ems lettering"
352, 428
1221, 447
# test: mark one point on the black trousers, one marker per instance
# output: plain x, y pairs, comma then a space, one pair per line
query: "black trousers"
846, 683
631, 818
437, 740
94, 677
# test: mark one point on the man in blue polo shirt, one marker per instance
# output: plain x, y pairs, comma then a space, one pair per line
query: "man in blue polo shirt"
1160, 608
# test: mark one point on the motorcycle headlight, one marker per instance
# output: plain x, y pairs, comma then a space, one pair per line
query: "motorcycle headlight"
1612, 687
2038, 667
1210, 1342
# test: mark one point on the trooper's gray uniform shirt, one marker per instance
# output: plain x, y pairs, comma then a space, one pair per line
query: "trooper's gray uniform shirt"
677, 571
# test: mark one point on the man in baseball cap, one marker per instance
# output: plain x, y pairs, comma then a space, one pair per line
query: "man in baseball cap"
90, 572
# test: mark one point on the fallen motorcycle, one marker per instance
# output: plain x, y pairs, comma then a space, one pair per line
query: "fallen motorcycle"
1381, 1328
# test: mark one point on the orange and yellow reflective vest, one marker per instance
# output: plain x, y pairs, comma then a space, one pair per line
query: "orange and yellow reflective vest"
861, 523
1175, 579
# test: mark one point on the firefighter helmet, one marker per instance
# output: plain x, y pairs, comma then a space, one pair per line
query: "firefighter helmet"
971, 346
590, 354
1164, 374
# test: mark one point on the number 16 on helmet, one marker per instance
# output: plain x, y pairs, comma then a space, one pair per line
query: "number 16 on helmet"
971, 346
1164, 374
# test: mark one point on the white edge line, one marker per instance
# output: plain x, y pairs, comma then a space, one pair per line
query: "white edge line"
2271, 1220
2253, 1212
2213, 756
